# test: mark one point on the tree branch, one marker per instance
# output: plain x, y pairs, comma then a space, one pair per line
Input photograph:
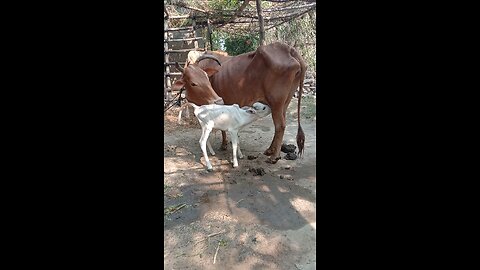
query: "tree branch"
235, 15
289, 19
290, 8
166, 11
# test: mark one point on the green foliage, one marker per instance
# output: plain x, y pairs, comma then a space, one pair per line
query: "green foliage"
218, 39
234, 44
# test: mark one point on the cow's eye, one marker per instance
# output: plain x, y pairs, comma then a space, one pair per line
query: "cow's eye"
193, 84
264, 108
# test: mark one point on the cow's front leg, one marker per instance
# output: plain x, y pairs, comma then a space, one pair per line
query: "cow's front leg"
224, 141
269, 150
275, 147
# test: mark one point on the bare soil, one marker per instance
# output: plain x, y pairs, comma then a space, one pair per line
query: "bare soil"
263, 221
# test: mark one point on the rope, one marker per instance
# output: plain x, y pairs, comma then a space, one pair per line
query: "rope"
170, 104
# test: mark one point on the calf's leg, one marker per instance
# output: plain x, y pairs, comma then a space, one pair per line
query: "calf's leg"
234, 136
210, 147
203, 146
240, 155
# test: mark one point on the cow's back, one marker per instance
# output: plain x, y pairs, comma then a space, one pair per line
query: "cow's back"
254, 76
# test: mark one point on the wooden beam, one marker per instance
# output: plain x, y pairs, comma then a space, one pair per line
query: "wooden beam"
173, 63
184, 39
190, 28
181, 50
173, 74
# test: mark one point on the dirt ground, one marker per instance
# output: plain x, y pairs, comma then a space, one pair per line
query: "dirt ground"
249, 221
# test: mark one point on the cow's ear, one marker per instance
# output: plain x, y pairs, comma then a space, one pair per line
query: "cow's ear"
210, 71
178, 85
252, 111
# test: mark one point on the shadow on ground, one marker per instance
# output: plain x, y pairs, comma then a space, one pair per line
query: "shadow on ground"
250, 221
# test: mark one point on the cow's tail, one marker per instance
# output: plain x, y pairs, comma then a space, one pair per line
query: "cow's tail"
300, 134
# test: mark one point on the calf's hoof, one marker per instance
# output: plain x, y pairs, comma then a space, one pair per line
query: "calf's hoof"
268, 152
235, 165
209, 169
272, 160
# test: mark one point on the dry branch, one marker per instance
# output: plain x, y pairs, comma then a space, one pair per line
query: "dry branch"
236, 14
289, 8
289, 18
184, 5
213, 234
216, 252
208, 236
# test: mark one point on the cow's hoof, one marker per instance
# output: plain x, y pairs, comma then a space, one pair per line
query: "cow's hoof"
209, 169
235, 166
272, 161
268, 152
213, 154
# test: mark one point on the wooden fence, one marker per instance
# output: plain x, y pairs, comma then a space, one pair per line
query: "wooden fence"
177, 42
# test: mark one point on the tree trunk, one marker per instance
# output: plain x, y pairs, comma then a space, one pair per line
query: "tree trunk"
209, 31
260, 22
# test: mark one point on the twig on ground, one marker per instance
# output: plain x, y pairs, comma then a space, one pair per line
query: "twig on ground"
240, 200
216, 252
213, 234
170, 210
208, 236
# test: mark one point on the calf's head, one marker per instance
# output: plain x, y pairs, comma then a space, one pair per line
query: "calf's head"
197, 84
259, 109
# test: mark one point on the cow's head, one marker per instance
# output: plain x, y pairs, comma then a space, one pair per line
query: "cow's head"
197, 84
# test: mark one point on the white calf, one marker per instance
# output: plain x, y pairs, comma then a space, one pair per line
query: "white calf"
229, 118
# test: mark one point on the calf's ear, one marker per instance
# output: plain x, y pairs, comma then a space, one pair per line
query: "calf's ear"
178, 85
210, 71
252, 111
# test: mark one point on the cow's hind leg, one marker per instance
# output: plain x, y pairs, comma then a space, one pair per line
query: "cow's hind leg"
224, 141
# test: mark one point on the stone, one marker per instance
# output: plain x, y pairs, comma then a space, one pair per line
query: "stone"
288, 148
291, 156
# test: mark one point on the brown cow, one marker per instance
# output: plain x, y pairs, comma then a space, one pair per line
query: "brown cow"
270, 75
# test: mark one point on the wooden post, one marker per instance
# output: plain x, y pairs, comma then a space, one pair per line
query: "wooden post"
260, 21
195, 42
166, 60
209, 29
